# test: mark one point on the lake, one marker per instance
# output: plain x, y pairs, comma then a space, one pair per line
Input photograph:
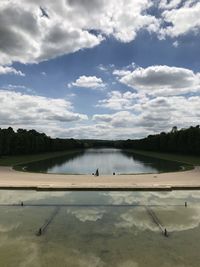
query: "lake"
107, 160
99, 229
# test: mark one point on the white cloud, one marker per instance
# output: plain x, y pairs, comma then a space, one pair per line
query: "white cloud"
146, 117
184, 19
119, 119
98, 130
28, 35
165, 4
141, 115
163, 80
106, 68
102, 68
10, 70
165, 96
175, 44
36, 30
125, 70
24, 110
162, 113
18, 87
14, 86
118, 101
121, 72
92, 82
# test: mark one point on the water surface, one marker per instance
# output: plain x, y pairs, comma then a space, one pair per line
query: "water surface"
99, 229
106, 160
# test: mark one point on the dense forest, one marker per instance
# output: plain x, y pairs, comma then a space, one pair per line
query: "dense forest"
184, 141
32, 142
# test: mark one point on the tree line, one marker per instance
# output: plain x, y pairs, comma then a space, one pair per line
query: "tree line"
184, 141
31, 142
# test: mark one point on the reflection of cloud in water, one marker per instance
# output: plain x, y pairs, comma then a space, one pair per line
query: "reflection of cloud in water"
128, 263
121, 197
152, 198
173, 218
181, 220
165, 264
89, 214
18, 252
3, 240
31, 252
72, 258
138, 218
26, 252
10, 197
89, 260
8, 228
176, 195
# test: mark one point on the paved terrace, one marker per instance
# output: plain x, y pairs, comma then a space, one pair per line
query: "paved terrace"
11, 179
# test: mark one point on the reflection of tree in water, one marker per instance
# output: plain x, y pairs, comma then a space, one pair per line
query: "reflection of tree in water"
45, 165
160, 165
153, 164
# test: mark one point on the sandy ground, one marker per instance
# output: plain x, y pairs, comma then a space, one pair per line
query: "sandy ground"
11, 179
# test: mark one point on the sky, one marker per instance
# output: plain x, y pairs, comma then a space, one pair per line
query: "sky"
101, 69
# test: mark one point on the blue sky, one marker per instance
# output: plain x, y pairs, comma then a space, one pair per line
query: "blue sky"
94, 69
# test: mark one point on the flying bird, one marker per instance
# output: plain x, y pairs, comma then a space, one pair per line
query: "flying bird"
44, 13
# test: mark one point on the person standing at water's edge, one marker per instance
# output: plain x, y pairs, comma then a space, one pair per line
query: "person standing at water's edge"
97, 172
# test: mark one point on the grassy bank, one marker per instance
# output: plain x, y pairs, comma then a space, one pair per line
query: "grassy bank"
191, 160
22, 159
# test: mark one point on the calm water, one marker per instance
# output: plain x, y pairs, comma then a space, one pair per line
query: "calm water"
106, 160
99, 229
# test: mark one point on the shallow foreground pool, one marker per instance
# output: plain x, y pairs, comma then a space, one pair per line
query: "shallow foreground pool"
106, 160
99, 229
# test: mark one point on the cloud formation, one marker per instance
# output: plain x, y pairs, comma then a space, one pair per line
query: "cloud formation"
165, 4
117, 100
130, 114
162, 80
10, 70
146, 114
33, 111
37, 30
181, 20
92, 82
27, 36
18, 87
119, 119
33, 31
